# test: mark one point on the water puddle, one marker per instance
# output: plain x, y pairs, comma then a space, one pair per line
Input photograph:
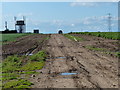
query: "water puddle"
57, 57
68, 73
60, 57
30, 54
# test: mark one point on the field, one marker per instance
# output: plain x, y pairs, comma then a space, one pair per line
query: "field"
76, 60
108, 35
10, 37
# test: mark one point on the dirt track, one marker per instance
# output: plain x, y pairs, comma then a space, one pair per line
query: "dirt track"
93, 70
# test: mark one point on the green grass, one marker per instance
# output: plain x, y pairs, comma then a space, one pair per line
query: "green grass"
14, 66
11, 63
74, 38
17, 84
38, 56
108, 35
10, 37
94, 48
9, 76
33, 66
28, 72
117, 54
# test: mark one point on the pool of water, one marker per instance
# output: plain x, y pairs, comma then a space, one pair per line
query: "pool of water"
61, 57
30, 54
68, 73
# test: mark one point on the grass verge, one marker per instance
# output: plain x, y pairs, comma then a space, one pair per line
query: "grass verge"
14, 67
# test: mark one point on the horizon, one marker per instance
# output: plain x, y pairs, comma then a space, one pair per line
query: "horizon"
49, 17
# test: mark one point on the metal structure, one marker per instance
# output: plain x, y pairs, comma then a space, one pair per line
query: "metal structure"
109, 22
6, 25
20, 25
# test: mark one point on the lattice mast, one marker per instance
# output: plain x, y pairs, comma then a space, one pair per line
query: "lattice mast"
109, 22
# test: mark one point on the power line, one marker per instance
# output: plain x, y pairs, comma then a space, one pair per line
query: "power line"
109, 22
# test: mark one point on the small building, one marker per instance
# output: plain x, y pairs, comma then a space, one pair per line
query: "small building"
60, 32
36, 31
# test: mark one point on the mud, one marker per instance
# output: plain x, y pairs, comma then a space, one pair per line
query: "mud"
99, 42
93, 70
26, 45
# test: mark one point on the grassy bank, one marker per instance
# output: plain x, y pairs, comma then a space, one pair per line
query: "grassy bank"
17, 69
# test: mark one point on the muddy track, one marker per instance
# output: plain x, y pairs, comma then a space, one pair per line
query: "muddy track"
91, 70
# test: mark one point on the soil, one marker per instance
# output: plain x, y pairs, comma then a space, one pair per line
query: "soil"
99, 42
25, 45
93, 70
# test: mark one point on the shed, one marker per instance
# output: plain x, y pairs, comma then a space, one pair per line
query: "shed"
36, 31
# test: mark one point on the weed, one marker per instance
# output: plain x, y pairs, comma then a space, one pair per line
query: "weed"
33, 66
38, 56
11, 63
117, 54
22, 86
75, 38
9, 76
108, 35
16, 83
28, 72
94, 48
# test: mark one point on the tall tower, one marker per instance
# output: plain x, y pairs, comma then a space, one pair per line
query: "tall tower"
6, 25
109, 22
15, 22
20, 25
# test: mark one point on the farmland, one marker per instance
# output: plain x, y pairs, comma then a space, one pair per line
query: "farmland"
108, 35
42, 61
10, 37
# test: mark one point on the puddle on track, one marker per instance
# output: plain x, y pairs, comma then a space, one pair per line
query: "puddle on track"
60, 57
30, 54
57, 58
68, 73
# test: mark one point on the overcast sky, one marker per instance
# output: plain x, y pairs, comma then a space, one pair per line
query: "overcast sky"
68, 16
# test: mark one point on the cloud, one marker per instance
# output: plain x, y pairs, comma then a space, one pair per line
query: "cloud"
84, 4
73, 25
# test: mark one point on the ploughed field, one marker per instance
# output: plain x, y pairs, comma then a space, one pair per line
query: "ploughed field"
24, 45
61, 61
